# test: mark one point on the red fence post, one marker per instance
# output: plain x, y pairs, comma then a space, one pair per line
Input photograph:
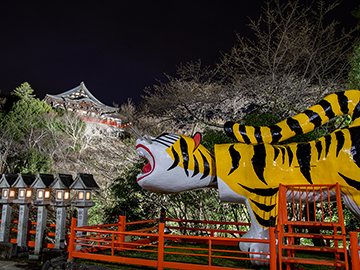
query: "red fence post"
160, 263
121, 228
354, 249
272, 244
72, 238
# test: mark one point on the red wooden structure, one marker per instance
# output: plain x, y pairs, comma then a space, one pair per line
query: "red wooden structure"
114, 239
304, 220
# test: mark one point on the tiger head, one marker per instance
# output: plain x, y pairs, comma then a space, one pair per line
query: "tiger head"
176, 163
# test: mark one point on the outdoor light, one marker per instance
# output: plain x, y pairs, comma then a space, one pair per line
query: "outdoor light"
21, 193
59, 195
80, 195
66, 195
12, 193
5, 193
40, 194
28, 193
88, 195
47, 194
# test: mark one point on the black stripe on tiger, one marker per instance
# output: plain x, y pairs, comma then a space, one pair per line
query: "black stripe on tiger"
283, 154
351, 182
185, 154
176, 159
263, 207
267, 192
275, 133
327, 144
290, 155
228, 128
235, 159
206, 166
303, 154
257, 134
319, 148
262, 222
166, 139
258, 161
313, 117
356, 113
343, 102
294, 125
355, 140
340, 141
242, 131
196, 169
327, 108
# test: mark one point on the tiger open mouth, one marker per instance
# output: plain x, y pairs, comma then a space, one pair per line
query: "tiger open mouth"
143, 151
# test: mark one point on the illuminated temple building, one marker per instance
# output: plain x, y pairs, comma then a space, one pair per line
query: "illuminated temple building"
83, 103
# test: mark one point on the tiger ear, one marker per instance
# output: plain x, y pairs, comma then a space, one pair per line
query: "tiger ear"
197, 139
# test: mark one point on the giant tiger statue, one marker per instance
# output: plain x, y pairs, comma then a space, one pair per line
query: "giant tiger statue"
251, 170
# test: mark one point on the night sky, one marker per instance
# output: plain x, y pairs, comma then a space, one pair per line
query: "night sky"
118, 47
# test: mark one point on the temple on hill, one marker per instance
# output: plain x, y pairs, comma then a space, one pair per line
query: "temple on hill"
83, 103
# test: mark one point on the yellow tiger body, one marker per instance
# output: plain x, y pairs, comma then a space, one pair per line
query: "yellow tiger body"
251, 170
256, 169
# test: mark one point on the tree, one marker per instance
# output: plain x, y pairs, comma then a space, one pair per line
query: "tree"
354, 74
284, 69
22, 130
289, 65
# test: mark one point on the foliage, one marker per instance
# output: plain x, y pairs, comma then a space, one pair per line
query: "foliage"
135, 201
258, 118
354, 74
210, 137
21, 129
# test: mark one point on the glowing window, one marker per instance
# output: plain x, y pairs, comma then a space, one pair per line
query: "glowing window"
88, 195
5, 193
59, 195
81, 195
21, 193
12, 194
40, 194
66, 195
47, 194
28, 193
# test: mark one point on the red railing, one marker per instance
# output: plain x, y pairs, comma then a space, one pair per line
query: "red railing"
93, 241
31, 232
116, 124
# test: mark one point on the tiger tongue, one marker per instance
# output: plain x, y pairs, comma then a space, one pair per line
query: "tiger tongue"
147, 168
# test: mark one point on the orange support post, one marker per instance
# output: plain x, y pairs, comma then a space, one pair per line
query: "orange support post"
121, 228
160, 264
354, 250
72, 238
272, 247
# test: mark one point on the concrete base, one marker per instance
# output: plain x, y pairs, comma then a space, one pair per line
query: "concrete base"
48, 254
8, 250
23, 252
34, 257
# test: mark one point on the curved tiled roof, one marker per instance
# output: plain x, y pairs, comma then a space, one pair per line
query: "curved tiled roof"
79, 93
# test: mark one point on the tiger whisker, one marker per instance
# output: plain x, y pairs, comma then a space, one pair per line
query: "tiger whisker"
137, 134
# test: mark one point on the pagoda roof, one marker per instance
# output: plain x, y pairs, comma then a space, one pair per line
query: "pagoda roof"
24, 180
78, 94
42, 181
84, 181
62, 181
7, 180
